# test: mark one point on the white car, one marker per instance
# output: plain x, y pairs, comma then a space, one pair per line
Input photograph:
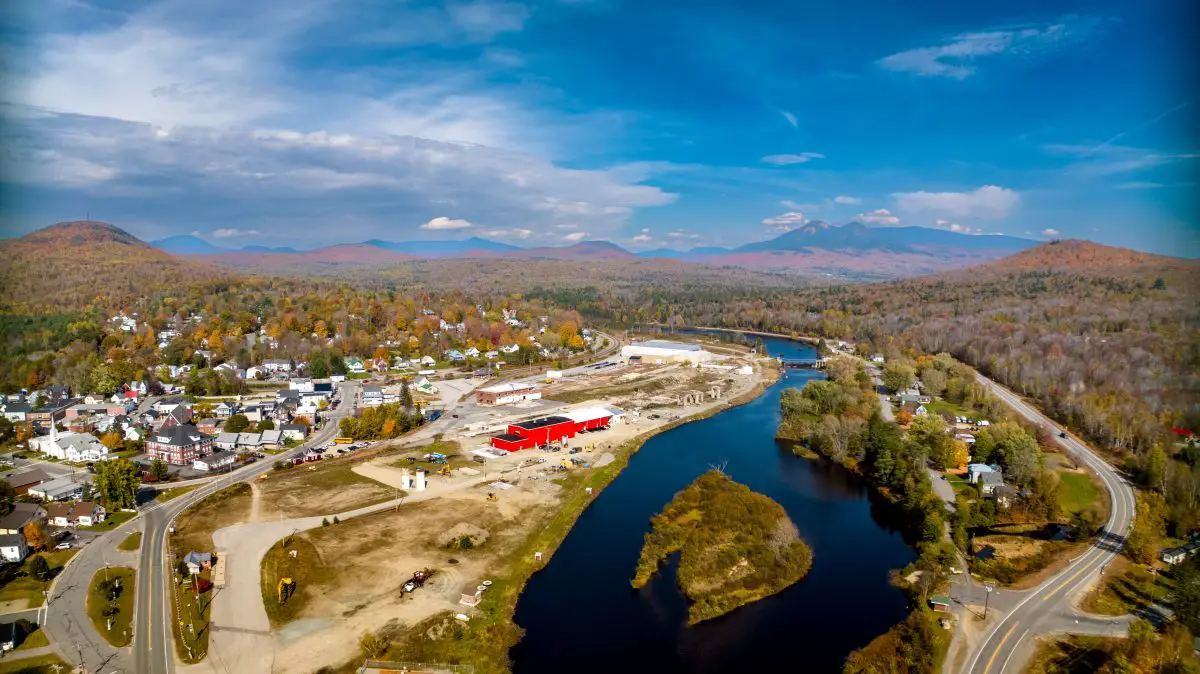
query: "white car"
63, 546
409, 587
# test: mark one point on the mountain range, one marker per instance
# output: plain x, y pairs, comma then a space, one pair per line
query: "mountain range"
854, 250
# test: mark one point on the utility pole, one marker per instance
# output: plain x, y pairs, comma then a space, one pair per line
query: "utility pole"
989, 587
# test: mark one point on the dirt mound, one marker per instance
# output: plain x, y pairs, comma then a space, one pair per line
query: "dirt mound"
459, 531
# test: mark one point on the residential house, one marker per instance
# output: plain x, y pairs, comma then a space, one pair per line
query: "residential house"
87, 514
511, 348
471, 352
355, 365
60, 489
271, 439
974, 470
990, 482
216, 461
277, 365
165, 405
877, 358
253, 413
179, 445
492, 355
227, 441
1178, 554
249, 441
920, 411
178, 416
198, 561
286, 394
13, 550
225, 409
58, 514
16, 411
1005, 496
254, 371
372, 396
70, 446
301, 384
21, 514
455, 356
428, 360
210, 426
50, 413
294, 432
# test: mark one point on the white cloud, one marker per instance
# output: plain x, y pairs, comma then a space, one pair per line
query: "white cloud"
442, 222
644, 237
988, 202
785, 221
1107, 159
230, 233
682, 234
787, 159
1051, 233
845, 200
955, 57
955, 227
791, 119
879, 216
575, 237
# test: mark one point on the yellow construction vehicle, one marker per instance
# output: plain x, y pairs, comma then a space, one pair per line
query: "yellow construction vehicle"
287, 588
492, 498
445, 470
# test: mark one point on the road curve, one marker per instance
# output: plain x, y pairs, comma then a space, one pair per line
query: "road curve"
1047, 608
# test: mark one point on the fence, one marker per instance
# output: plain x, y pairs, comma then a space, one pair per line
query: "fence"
381, 667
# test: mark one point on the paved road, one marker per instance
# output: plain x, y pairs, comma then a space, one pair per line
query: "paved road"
1049, 607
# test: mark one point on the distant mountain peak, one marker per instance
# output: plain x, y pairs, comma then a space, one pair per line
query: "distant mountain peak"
79, 232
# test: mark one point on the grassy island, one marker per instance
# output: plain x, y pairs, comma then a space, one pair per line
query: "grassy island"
735, 546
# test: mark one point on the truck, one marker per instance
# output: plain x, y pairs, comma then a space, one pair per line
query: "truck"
418, 579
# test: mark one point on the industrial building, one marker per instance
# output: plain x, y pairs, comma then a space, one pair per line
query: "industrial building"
659, 351
539, 432
506, 394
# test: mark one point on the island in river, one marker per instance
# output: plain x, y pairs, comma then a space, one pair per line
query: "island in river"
736, 546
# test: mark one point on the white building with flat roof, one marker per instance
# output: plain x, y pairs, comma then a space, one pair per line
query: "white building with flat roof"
506, 394
660, 351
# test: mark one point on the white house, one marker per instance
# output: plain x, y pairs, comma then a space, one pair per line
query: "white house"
355, 365
277, 365
428, 360
69, 446
471, 352
215, 461
13, 548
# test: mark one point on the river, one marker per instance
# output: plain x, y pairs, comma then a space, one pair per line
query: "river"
581, 615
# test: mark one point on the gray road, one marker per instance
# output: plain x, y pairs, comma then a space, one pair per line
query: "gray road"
1049, 608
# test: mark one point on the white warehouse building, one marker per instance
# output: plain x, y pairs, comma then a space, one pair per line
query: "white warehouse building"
662, 351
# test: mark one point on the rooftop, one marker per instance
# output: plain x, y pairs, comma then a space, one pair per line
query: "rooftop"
541, 423
506, 388
667, 344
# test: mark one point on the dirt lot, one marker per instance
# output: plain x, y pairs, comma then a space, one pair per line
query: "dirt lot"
317, 488
194, 527
349, 575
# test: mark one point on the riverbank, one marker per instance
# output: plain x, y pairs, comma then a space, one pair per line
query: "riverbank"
485, 641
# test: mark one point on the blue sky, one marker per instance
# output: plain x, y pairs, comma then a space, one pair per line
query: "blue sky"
308, 122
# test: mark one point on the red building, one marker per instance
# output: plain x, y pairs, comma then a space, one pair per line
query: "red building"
180, 445
540, 432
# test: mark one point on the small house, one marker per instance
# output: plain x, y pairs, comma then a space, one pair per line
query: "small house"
227, 441
940, 602
86, 514
13, 548
58, 515
294, 431
974, 470
990, 482
198, 561
214, 462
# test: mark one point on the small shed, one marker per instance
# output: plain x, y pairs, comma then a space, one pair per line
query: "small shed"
940, 602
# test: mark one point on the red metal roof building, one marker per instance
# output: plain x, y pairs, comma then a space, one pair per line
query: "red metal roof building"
538, 432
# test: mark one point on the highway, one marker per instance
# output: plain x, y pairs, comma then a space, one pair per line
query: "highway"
1049, 608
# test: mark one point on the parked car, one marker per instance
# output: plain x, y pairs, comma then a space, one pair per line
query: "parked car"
63, 546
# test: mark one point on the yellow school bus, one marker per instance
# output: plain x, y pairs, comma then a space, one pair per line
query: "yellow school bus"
343, 441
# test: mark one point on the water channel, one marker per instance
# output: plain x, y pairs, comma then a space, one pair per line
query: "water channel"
581, 615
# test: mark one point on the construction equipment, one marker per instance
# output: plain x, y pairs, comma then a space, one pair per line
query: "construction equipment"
286, 588
444, 471
492, 498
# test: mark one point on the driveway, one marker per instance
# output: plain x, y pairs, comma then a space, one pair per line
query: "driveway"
942, 487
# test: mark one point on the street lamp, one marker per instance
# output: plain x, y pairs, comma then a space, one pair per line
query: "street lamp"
989, 587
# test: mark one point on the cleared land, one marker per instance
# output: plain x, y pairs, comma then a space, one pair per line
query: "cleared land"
1018, 559
1126, 587
317, 488
1079, 492
110, 604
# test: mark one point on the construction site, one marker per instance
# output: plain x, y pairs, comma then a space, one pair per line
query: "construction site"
449, 512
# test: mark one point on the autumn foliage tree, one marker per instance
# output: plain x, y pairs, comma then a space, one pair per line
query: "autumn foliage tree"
35, 536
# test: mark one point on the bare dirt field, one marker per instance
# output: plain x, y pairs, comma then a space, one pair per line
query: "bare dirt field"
316, 488
194, 527
358, 568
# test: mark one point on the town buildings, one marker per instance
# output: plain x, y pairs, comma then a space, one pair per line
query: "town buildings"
179, 445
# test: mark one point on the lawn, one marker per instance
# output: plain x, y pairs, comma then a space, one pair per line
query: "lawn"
25, 586
1123, 591
305, 570
111, 521
1078, 493
165, 495
35, 639
938, 406
110, 604
42, 664
320, 488
194, 609
132, 542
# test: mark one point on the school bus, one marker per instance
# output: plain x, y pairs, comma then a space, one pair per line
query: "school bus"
343, 441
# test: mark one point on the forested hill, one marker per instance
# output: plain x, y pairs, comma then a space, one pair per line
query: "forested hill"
73, 265
1106, 339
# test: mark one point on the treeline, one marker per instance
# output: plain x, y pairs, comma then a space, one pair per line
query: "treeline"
381, 423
